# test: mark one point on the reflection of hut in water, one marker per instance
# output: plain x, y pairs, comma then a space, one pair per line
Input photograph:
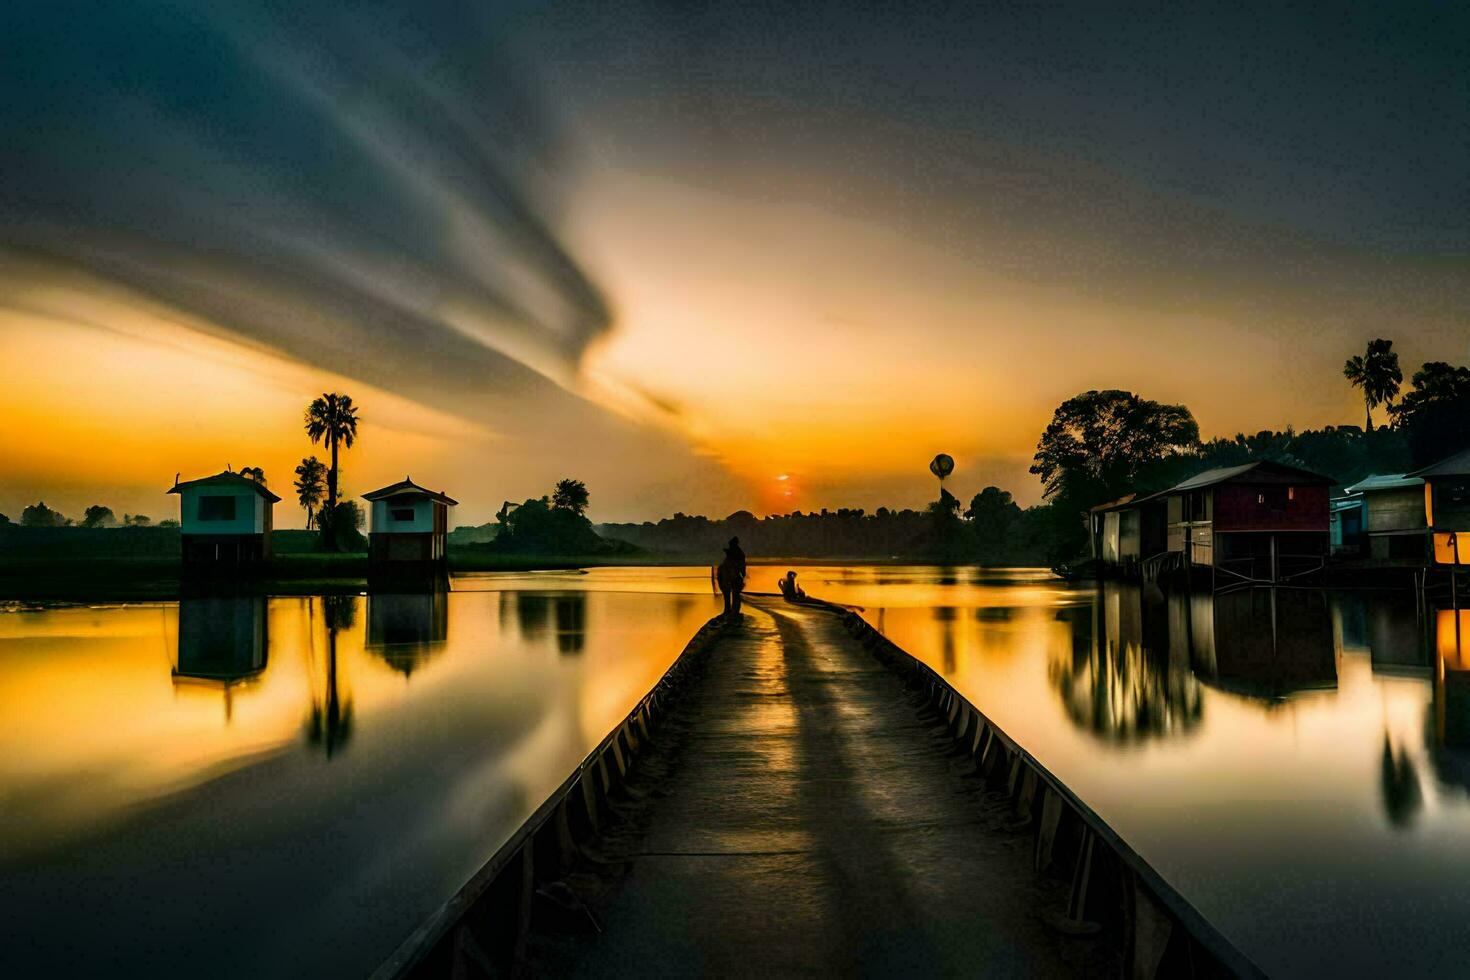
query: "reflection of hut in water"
1120, 679
1263, 642
1396, 634
222, 642
1449, 721
406, 629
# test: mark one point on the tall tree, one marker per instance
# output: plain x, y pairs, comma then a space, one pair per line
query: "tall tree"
310, 484
1099, 442
1376, 372
570, 495
1435, 414
39, 515
98, 516
332, 419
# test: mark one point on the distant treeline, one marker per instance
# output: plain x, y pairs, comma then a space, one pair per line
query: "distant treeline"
63, 542
992, 531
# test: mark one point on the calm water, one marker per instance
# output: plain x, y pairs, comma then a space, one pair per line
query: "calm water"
288, 786
249, 787
1296, 763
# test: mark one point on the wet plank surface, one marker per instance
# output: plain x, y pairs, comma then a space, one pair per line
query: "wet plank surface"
809, 821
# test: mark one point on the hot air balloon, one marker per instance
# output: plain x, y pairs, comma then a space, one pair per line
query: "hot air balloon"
942, 466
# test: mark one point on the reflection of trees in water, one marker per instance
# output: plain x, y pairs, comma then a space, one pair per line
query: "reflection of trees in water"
945, 616
1115, 686
330, 724
539, 615
570, 612
1402, 796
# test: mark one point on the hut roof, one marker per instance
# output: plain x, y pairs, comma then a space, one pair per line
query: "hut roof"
227, 479
1225, 474
406, 487
1384, 481
1456, 465
1118, 504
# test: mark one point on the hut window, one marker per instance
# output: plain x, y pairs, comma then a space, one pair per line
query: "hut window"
403, 513
216, 508
1273, 497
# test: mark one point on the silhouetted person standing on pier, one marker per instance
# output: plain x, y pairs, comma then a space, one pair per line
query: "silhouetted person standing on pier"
731, 577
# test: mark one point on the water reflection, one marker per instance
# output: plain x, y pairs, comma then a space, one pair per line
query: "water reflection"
222, 643
1264, 643
1121, 678
1402, 795
407, 629
126, 799
1450, 722
559, 617
329, 724
945, 616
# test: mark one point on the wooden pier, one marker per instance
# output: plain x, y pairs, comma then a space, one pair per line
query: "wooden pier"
800, 796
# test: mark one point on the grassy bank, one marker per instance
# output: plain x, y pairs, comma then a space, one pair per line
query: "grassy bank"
72, 578
70, 574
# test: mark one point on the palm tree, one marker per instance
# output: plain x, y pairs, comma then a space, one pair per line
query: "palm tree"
332, 419
1377, 372
310, 485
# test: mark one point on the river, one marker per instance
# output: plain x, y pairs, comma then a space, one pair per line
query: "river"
287, 786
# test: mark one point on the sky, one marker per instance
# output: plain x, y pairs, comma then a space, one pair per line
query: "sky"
704, 257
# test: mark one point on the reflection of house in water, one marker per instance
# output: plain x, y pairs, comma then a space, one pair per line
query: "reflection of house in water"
1123, 679
1262, 642
406, 629
222, 642
538, 615
1395, 634
1449, 722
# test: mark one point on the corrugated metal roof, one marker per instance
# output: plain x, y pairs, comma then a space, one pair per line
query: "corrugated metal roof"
1456, 465
1221, 474
1385, 481
1210, 477
228, 479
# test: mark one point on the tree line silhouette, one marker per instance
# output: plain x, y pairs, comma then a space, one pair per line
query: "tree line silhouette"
1098, 447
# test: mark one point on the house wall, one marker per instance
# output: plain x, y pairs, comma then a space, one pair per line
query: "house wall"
1451, 501
251, 512
1110, 537
1398, 509
423, 516
1128, 534
1153, 528
1449, 504
1238, 507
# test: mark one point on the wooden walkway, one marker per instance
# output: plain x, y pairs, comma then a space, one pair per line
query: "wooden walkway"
802, 816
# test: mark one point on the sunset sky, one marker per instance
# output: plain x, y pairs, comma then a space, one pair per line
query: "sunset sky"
684, 251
